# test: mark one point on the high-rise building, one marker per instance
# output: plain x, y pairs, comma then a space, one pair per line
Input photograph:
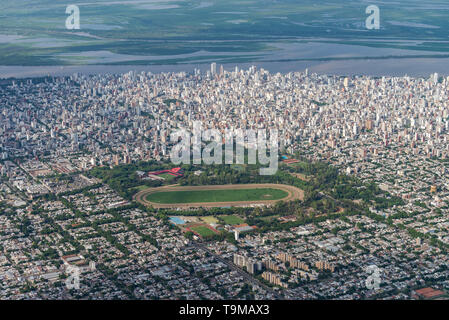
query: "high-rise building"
213, 68
116, 160
274, 279
324, 265
434, 78
251, 265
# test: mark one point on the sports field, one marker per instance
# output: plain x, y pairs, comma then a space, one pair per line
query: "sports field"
209, 219
232, 220
167, 176
216, 195
203, 231
176, 196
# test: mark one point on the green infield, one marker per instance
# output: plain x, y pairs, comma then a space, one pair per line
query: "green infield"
232, 220
203, 231
216, 195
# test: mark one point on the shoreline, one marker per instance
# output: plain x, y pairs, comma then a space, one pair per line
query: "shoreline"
392, 67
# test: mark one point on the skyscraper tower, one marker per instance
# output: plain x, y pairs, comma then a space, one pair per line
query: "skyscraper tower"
213, 68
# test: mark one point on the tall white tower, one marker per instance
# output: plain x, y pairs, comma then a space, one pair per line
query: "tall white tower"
213, 68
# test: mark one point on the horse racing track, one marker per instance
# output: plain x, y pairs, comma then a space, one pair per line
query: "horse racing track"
176, 196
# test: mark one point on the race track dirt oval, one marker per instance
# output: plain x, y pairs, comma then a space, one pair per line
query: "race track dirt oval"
293, 193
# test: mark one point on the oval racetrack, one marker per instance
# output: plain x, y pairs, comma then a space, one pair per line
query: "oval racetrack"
293, 194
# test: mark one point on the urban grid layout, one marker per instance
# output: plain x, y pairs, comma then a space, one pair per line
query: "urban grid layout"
85, 161
224, 158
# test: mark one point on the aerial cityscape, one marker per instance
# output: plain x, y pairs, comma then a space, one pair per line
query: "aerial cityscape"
228, 179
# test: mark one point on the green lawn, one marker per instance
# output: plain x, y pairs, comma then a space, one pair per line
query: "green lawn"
210, 219
141, 188
232, 220
216, 195
203, 231
269, 218
167, 176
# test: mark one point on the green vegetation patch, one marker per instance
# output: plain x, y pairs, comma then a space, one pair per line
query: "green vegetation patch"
232, 220
203, 231
210, 219
167, 176
216, 195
